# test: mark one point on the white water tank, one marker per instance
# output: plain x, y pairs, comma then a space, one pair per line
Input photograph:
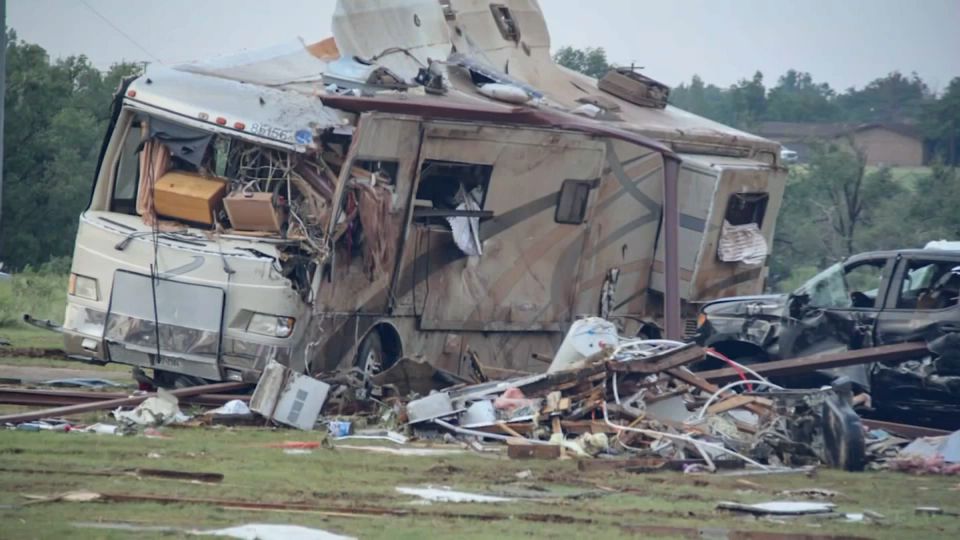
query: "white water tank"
585, 337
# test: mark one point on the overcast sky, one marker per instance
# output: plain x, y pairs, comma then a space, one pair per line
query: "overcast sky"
843, 42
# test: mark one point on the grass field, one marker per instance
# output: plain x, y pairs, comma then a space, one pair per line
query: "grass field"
346, 490
336, 483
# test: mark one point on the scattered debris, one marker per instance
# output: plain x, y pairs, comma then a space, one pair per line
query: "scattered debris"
420, 452
930, 455
159, 410
288, 397
261, 531
779, 508
235, 407
445, 494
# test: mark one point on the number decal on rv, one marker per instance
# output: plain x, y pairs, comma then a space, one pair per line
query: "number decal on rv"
272, 132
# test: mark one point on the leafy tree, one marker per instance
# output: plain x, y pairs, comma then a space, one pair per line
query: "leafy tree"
796, 98
591, 61
934, 209
941, 122
836, 207
706, 100
891, 99
56, 115
749, 100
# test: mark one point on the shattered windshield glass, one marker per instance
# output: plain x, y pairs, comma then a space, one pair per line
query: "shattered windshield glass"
828, 289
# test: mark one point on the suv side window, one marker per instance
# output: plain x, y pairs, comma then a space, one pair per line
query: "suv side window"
863, 283
844, 287
929, 285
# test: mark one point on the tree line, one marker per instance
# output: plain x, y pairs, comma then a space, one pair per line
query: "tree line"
835, 206
55, 119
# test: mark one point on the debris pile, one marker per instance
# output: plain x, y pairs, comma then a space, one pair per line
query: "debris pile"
609, 401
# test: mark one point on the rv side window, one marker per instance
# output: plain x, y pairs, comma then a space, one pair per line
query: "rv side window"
127, 174
505, 22
452, 189
572, 202
744, 208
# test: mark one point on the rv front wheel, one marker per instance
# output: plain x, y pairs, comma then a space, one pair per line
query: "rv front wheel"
370, 355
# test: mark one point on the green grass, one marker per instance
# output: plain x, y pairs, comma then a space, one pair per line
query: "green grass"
619, 504
26, 336
40, 293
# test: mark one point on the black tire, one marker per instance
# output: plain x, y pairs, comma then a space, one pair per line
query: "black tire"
371, 358
172, 381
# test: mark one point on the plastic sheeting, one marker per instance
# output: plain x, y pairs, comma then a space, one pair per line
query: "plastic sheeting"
466, 230
742, 243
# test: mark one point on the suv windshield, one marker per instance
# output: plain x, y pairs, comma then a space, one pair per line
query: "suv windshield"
828, 289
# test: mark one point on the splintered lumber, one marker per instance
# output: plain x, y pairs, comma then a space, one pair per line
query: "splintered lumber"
120, 402
522, 450
673, 358
806, 364
737, 401
695, 379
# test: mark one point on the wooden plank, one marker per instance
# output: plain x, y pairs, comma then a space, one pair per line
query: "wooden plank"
508, 430
806, 364
518, 450
594, 465
733, 402
696, 380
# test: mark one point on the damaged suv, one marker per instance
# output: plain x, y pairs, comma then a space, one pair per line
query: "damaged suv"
867, 300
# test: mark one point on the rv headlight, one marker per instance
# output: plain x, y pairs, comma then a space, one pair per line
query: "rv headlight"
84, 287
270, 325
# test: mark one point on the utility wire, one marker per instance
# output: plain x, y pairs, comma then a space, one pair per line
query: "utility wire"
119, 31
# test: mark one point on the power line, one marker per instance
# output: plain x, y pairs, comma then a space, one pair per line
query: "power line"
119, 31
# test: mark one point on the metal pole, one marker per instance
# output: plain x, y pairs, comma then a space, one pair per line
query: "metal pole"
671, 259
3, 100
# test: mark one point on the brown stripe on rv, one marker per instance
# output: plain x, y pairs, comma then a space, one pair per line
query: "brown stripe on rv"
731, 281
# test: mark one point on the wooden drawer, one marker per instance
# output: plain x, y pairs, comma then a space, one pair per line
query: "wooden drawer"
188, 196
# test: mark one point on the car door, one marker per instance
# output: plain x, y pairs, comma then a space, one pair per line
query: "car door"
922, 305
923, 301
837, 310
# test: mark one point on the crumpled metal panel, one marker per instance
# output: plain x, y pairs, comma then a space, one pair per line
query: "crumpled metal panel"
189, 317
290, 398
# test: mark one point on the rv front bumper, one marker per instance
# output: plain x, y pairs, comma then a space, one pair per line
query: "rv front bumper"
240, 358
83, 334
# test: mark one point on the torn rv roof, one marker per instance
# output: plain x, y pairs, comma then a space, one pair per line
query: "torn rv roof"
469, 29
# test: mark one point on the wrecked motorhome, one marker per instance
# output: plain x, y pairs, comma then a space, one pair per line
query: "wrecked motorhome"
355, 201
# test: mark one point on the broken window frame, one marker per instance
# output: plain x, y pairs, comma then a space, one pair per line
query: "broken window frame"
122, 178
506, 22
836, 277
567, 214
904, 275
752, 208
438, 215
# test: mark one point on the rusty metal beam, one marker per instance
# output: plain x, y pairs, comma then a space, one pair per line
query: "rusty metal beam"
671, 251
806, 364
56, 398
120, 402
